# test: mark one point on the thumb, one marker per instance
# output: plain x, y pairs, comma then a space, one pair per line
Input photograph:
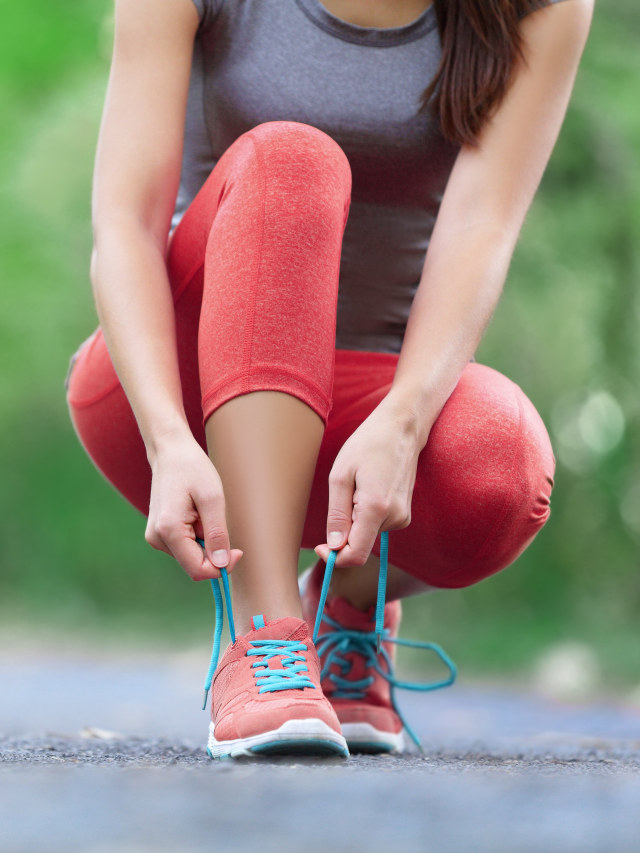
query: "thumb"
340, 511
236, 554
212, 520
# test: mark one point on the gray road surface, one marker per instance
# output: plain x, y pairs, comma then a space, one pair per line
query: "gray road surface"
102, 752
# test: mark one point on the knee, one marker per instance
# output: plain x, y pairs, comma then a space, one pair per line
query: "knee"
90, 374
294, 142
495, 487
517, 495
515, 480
296, 151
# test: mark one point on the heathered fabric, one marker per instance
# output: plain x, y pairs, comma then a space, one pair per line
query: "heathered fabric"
253, 268
264, 60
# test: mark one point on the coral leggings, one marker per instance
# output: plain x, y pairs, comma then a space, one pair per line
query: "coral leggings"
254, 268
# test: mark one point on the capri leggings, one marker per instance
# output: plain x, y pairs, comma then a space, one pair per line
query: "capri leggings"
254, 268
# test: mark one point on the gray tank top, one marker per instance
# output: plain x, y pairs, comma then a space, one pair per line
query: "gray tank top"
266, 60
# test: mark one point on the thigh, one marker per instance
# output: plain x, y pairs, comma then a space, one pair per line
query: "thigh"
100, 410
483, 482
104, 422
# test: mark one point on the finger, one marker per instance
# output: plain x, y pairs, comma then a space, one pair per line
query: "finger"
191, 556
369, 518
211, 511
362, 536
211, 571
153, 538
158, 544
198, 530
236, 553
341, 488
236, 556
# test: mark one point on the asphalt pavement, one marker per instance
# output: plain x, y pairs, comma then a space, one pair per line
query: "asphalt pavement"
102, 750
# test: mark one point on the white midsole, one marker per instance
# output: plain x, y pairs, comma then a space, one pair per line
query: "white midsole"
312, 730
365, 733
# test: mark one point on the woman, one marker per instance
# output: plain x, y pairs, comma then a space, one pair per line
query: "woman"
279, 359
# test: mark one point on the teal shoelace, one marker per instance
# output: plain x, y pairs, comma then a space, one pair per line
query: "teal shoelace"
332, 648
217, 632
289, 651
293, 663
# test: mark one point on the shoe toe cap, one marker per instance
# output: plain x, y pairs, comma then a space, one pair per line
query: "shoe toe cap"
257, 717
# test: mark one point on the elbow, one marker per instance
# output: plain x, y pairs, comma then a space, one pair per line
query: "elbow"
497, 225
120, 237
99, 250
502, 223
94, 270
124, 227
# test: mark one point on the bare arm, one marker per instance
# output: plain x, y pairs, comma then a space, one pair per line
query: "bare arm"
136, 179
135, 185
487, 197
486, 200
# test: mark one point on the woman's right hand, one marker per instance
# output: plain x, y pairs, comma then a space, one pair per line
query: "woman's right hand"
187, 501
137, 170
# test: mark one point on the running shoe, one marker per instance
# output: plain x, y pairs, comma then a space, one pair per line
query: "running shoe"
360, 695
357, 654
267, 698
266, 693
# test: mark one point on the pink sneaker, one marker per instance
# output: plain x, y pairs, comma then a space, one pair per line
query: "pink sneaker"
357, 674
360, 695
250, 713
267, 697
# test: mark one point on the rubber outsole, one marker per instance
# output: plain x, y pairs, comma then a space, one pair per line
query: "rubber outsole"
294, 737
363, 737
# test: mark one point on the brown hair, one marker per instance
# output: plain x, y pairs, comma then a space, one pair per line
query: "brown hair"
481, 44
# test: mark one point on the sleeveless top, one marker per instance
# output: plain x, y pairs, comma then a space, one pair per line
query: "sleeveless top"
264, 60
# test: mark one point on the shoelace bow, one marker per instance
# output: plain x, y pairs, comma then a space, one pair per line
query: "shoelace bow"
332, 646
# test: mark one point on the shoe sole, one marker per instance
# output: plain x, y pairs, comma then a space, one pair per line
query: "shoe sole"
363, 737
295, 737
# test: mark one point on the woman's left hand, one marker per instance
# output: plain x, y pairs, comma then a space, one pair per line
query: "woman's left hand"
371, 485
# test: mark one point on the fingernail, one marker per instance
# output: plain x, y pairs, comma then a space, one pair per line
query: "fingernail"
220, 559
335, 539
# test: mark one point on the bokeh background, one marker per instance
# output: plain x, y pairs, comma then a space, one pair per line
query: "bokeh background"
73, 555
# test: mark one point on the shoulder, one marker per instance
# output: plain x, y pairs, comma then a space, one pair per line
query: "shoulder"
558, 13
577, 7
556, 33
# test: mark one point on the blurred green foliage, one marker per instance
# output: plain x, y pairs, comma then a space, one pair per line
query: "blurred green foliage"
73, 552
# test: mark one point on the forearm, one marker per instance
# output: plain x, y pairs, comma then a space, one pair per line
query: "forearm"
135, 309
461, 283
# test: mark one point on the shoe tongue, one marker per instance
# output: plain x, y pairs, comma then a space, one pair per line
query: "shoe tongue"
286, 628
